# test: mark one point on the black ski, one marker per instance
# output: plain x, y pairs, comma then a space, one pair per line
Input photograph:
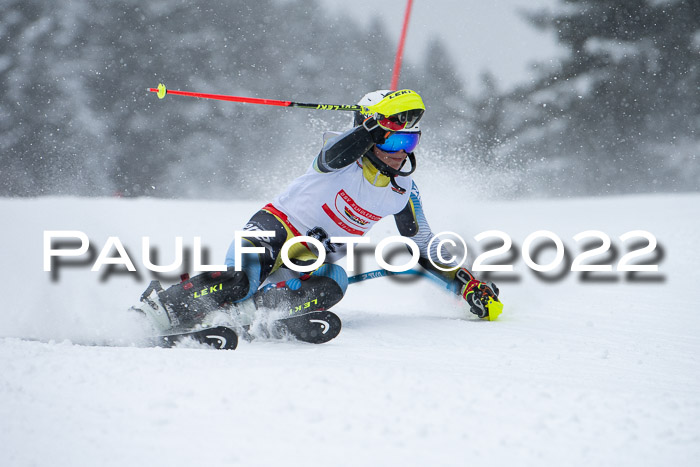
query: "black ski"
219, 337
315, 327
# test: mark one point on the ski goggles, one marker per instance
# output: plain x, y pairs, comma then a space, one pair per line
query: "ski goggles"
410, 117
403, 120
398, 141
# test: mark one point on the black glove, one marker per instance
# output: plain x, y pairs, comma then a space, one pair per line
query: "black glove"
477, 294
378, 133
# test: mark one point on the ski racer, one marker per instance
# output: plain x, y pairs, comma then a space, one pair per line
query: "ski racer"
359, 177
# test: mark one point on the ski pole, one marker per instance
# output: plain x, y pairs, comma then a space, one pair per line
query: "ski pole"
161, 91
495, 307
386, 273
382, 273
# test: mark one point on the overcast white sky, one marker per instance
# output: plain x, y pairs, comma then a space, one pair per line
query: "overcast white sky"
481, 34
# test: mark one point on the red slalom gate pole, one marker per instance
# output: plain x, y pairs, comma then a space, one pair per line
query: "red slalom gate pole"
399, 51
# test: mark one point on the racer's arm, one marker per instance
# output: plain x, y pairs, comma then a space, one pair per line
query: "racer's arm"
344, 149
411, 222
482, 297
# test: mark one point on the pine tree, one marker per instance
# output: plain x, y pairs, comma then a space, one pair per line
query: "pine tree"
624, 97
75, 117
488, 119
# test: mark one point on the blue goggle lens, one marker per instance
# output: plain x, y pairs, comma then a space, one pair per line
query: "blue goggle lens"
399, 141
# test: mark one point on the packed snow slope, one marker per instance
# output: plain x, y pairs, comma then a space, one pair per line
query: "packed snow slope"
597, 370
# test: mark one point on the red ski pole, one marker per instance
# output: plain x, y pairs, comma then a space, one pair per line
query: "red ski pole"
161, 91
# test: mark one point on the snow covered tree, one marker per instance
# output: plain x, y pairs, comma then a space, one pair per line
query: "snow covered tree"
49, 136
446, 125
620, 113
488, 119
76, 118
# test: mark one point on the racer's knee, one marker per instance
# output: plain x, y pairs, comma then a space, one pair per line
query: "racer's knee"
335, 272
320, 290
205, 292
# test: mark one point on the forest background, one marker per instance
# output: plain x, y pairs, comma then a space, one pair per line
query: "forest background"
619, 112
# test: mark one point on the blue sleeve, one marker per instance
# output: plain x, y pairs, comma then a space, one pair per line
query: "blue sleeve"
411, 222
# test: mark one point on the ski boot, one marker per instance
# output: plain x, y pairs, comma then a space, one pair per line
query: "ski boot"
188, 303
154, 310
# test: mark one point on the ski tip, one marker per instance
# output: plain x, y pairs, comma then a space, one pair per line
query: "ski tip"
314, 327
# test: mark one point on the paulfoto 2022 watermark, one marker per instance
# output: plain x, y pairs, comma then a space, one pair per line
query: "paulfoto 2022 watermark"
597, 253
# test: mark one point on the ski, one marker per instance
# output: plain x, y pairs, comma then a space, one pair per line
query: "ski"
315, 327
219, 337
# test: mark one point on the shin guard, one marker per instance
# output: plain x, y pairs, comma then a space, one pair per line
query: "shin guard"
193, 298
307, 293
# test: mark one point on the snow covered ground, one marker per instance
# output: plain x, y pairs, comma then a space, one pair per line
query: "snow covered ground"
576, 372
